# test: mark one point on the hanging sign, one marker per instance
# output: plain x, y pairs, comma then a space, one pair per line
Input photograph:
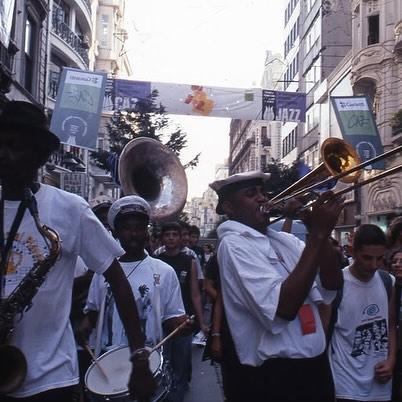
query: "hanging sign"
358, 127
78, 108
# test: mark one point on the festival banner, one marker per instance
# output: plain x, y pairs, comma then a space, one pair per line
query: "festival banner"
358, 127
78, 108
199, 100
6, 20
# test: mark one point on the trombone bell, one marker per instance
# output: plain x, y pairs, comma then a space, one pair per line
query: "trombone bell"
338, 156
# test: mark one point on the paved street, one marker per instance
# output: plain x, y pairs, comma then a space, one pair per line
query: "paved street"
205, 385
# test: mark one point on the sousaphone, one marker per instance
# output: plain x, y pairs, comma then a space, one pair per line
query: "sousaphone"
152, 171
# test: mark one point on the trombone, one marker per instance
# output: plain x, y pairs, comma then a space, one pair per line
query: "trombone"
340, 162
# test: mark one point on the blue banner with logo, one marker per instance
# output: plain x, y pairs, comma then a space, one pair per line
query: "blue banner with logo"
358, 127
77, 113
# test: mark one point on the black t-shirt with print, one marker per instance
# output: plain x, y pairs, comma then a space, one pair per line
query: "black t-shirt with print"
181, 263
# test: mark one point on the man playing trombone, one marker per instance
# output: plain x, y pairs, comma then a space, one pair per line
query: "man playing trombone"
272, 284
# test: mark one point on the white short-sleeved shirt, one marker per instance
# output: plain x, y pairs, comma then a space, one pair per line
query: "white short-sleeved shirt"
360, 339
44, 334
253, 267
141, 276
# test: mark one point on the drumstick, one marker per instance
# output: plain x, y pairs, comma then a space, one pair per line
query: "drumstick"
95, 360
174, 332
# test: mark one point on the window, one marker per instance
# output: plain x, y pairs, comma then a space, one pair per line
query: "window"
263, 162
313, 75
29, 53
105, 30
373, 29
61, 12
265, 139
312, 117
313, 34
289, 142
291, 71
289, 9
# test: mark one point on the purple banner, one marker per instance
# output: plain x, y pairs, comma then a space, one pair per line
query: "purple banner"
283, 106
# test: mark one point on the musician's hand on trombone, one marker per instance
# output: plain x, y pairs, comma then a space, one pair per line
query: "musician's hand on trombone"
291, 208
324, 213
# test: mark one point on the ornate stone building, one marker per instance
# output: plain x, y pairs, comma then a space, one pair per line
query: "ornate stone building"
376, 71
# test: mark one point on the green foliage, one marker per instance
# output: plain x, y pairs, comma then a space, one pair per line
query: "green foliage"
282, 176
148, 119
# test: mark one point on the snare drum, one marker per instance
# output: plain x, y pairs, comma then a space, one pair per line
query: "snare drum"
117, 367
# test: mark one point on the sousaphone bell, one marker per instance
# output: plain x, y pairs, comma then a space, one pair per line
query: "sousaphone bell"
149, 169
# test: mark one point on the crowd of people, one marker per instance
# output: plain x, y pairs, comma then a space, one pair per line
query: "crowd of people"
291, 320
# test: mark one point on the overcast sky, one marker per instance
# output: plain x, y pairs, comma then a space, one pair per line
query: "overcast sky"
208, 42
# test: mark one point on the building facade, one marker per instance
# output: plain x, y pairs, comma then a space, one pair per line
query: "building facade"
376, 72
201, 210
23, 51
45, 36
317, 37
372, 68
256, 143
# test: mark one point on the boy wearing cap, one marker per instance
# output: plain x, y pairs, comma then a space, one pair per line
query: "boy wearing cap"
271, 285
154, 283
179, 349
44, 333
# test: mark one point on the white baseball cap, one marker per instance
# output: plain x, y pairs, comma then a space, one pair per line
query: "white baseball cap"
131, 204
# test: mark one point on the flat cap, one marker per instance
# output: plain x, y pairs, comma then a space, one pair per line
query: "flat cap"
236, 182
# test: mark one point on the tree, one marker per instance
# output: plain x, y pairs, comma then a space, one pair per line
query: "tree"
282, 176
148, 119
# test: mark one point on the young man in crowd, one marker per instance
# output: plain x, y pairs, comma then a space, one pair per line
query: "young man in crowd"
272, 284
195, 233
179, 349
44, 334
185, 243
362, 348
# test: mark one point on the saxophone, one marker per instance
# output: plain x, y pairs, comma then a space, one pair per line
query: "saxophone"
13, 365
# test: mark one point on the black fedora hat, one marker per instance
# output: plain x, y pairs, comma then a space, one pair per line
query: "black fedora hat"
30, 120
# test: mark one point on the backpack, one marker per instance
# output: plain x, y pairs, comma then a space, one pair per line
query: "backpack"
387, 281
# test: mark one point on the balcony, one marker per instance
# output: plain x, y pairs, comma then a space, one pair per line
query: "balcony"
369, 56
64, 32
